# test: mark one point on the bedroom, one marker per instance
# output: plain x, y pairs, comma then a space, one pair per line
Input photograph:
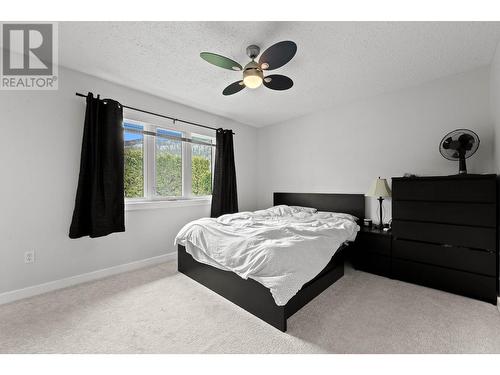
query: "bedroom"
297, 168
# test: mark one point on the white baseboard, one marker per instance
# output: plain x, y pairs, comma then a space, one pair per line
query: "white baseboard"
34, 290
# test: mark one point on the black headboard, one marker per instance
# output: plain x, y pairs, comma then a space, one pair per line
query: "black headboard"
353, 204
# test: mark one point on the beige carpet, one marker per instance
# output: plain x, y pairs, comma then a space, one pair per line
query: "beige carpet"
157, 310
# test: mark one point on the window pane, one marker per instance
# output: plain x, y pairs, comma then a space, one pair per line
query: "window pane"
201, 168
134, 161
168, 164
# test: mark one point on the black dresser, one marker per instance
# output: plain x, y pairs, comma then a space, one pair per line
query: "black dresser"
445, 233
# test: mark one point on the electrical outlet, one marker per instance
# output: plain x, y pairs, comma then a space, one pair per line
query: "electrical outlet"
29, 256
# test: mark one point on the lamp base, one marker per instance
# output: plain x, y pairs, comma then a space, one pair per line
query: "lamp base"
381, 222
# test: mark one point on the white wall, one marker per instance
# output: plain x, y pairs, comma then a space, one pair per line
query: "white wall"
341, 150
41, 134
495, 105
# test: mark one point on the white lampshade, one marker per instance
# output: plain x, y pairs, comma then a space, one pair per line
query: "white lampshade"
379, 188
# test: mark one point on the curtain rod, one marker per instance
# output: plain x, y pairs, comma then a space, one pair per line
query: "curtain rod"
159, 115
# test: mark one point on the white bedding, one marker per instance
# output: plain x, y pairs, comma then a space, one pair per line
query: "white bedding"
282, 247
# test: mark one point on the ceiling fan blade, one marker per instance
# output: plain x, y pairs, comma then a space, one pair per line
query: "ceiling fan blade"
233, 88
277, 55
278, 82
220, 61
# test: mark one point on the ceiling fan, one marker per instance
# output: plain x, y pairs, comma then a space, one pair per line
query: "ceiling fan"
253, 73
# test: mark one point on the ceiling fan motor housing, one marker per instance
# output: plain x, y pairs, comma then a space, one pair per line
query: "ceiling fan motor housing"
252, 65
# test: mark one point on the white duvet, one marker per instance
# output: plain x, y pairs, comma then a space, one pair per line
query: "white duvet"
282, 247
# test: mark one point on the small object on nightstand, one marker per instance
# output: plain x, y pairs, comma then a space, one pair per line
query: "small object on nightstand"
367, 223
379, 189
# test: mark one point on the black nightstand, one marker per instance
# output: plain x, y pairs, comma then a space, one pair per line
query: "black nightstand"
372, 251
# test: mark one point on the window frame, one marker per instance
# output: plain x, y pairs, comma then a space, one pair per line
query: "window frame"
144, 153
212, 165
150, 198
152, 167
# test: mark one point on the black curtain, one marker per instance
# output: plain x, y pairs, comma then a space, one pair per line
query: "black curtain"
99, 203
224, 195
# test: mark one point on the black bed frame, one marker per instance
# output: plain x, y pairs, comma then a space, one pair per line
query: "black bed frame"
256, 298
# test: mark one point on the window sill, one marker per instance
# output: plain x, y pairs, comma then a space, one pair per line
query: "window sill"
153, 205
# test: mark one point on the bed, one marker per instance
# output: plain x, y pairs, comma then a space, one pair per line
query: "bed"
255, 297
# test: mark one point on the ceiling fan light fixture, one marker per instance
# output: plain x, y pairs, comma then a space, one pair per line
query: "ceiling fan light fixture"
252, 78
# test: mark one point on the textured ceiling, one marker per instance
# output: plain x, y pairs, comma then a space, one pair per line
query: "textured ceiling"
336, 62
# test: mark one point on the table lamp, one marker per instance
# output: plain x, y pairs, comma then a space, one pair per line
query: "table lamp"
380, 189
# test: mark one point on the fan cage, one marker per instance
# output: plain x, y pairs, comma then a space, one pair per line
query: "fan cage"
454, 134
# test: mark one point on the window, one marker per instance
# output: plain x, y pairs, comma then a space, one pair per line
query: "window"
168, 164
165, 166
134, 160
201, 166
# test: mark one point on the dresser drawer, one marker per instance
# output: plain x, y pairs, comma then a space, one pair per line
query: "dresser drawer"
475, 214
464, 283
460, 258
446, 190
458, 235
